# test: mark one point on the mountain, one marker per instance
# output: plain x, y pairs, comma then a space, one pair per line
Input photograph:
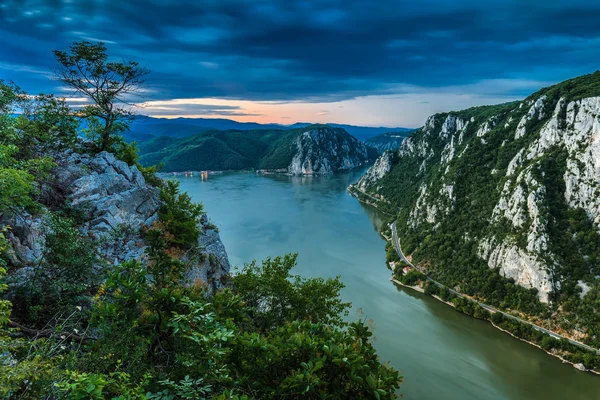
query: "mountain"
144, 128
388, 140
360, 132
315, 149
182, 127
493, 196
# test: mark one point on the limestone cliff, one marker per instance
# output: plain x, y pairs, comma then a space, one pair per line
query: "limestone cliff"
323, 150
506, 179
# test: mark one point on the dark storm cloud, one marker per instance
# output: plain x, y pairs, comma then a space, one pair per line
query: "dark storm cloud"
322, 50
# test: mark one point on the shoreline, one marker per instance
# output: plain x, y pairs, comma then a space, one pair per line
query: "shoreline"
279, 171
422, 291
564, 361
350, 189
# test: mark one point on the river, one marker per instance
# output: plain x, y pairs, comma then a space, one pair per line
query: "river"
441, 353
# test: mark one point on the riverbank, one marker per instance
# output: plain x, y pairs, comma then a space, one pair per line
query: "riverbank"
280, 171
366, 199
577, 366
490, 310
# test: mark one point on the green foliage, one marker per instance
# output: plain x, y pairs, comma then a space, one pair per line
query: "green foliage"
83, 329
84, 386
179, 215
273, 296
46, 124
60, 281
20, 165
450, 246
86, 69
412, 277
273, 335
313, 361
230, 150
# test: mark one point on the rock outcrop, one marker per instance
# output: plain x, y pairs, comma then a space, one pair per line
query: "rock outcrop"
115, 202
382, 166
323, 150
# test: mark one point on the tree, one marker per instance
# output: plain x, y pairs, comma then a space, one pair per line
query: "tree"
108, 84
17, 174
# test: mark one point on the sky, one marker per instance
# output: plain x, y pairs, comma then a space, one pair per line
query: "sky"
361, 62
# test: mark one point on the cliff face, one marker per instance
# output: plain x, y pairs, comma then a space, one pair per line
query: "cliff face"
322, 150
382, 166
514, 182
114, 202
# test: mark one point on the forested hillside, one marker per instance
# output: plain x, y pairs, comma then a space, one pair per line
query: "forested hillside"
503, 202
313, 149
388, 140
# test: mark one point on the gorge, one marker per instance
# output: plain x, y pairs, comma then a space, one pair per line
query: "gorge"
440, 352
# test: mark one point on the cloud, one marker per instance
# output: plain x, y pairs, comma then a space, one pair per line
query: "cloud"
196, 107
322, 51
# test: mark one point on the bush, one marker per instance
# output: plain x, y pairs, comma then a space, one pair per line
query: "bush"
179, 215
64, 275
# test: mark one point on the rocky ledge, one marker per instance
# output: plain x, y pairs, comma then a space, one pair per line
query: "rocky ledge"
115, 202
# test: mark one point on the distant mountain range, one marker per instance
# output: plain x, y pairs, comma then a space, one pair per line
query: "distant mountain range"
144, 128
389, 140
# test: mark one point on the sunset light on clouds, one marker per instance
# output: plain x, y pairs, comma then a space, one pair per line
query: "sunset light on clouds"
391, 63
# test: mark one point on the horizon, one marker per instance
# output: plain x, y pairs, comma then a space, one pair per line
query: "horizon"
391, 64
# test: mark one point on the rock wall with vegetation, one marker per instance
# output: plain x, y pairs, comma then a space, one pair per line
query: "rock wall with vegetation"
502, 202
316, 149
388, 141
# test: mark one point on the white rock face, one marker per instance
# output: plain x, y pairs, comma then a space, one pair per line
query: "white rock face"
322, 151
517, 264
536, 108
382, 166
579, 134
515, 163
485, 128
448, 152
521, 206
423, 209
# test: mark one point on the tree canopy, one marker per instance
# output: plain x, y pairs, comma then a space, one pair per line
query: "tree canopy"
108, 84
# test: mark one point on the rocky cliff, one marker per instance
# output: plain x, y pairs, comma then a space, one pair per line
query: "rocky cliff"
516, 185
114, 202
323, 150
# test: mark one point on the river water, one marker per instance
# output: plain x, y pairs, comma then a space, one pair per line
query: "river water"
441, 353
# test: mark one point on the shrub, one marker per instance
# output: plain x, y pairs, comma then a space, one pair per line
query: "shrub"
179, 215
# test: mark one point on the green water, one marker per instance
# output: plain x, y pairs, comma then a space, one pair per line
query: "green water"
441, 354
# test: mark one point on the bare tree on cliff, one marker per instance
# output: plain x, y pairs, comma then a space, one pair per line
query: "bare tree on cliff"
86, 69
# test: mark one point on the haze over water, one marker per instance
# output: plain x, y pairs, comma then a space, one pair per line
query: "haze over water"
441, 353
